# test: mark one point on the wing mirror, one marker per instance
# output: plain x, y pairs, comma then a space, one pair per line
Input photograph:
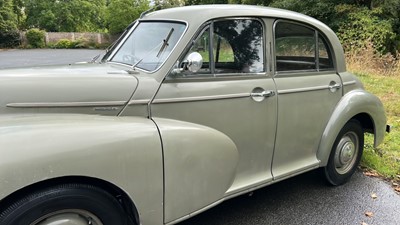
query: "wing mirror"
192, 63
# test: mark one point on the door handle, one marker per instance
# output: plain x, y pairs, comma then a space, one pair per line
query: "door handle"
259, 94
262, 94
333, 86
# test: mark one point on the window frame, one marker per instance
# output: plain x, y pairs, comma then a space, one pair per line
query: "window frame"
317, 34
128, 32
213, 75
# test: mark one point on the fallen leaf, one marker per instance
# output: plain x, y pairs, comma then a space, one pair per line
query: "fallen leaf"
364, 223
371, 174
369, 214
374, 196
395, 184
397, 189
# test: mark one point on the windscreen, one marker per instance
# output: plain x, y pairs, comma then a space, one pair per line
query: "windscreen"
149, 45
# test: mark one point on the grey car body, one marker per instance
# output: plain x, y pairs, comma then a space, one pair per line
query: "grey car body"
169, 133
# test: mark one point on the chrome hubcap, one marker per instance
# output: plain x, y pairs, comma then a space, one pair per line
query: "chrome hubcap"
68, 217
346, 153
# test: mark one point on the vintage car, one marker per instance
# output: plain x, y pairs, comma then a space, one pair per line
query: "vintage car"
190, 107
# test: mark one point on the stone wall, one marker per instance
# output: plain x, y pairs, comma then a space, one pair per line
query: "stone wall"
54, 37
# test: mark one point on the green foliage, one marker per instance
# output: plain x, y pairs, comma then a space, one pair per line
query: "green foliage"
251, 2
9, 39
120, 13
8, 19
362, 26
165, 4
18, 9
204, 2
9, 35
79, 43
356, 22
64, 43
35, 38
65, 15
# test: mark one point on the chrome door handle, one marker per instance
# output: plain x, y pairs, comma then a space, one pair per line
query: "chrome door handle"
262, 94
335, 86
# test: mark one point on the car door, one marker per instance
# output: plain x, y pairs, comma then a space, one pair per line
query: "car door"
231, 93
308, 91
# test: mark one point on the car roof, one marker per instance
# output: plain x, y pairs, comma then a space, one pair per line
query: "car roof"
207, 12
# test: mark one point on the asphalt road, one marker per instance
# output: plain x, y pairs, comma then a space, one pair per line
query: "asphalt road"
23, 58
305, 199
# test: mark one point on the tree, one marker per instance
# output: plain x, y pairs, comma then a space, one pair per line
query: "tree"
362, 26
8, 19
357, 22
18, 9
120, 13
9, 35
203, 2
251, 2
164, 4
65, 15
322, 10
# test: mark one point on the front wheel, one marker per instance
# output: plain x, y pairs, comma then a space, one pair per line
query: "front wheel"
345, 154
77, 204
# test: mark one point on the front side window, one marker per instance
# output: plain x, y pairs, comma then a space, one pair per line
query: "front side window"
238, 46
149, 45
233, 46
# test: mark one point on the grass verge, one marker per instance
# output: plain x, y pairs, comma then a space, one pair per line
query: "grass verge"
381, 76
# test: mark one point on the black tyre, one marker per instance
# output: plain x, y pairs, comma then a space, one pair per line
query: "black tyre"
345, 154
65, 204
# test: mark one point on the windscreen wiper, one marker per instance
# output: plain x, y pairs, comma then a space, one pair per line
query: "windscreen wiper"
163, 46
165, 42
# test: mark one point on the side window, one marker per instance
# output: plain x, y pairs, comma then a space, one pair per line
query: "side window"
294, 47
237, 48
325, 57
297, 48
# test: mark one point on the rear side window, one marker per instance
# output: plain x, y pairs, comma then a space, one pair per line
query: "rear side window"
300, 48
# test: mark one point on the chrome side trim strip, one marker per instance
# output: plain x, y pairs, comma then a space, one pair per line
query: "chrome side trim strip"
64, 104
349, 83
200, 98
295, 90
139, 102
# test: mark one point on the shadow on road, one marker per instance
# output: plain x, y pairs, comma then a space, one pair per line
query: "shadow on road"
307, 199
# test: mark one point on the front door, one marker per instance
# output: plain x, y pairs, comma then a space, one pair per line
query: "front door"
231, 93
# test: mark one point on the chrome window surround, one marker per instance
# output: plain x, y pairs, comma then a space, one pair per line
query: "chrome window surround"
133, 28
316, 37
212, 74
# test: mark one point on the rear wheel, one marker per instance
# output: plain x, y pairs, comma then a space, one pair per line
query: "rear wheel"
345, 154
69, 204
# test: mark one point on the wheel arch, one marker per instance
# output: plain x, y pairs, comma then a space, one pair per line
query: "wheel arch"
356, 105
120, 195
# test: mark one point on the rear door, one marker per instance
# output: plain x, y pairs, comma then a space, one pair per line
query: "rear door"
308, 90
